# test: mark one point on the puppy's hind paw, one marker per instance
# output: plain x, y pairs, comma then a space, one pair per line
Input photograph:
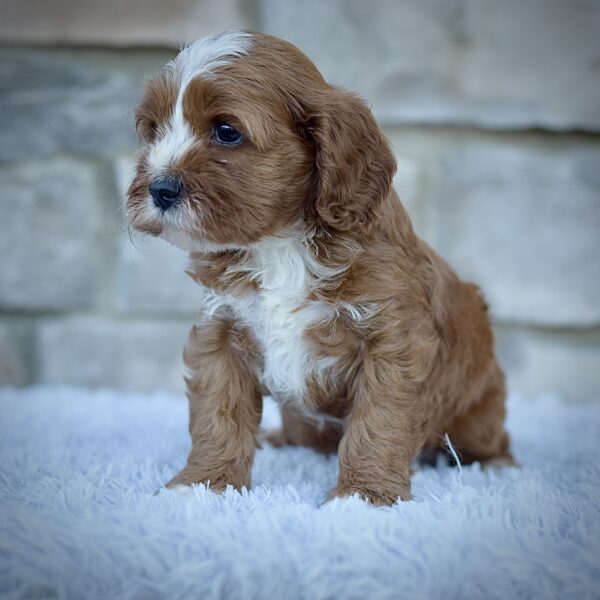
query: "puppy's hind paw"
499, 462
274, 437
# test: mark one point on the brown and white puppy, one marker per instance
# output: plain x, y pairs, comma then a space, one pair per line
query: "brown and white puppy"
320, 293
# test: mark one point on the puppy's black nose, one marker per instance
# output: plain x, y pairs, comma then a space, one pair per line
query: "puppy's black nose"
165, 192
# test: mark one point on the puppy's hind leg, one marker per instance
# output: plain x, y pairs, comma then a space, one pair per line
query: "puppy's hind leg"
479, 434
296, 431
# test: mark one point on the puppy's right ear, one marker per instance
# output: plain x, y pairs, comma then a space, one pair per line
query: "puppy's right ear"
354, 163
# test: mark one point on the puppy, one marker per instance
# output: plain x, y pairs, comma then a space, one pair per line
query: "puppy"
318, 290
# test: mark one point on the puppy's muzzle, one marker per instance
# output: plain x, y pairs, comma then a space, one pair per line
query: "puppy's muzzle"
165, 192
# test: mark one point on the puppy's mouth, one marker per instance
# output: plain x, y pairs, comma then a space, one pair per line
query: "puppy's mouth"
175, 226
164, 207
182, 239
160, 208
161, 219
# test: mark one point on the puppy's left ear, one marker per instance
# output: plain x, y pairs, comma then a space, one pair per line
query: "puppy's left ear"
355, 164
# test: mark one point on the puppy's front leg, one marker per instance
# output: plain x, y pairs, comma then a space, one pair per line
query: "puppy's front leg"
384, 433
225, 404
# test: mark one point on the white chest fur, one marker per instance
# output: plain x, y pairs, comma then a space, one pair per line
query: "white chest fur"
279, 314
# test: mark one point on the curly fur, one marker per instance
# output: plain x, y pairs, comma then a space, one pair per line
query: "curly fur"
326, 298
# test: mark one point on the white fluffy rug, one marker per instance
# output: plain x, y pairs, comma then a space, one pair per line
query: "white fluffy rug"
78, 518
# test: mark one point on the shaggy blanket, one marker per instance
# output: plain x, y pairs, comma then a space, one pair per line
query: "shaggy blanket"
78, 518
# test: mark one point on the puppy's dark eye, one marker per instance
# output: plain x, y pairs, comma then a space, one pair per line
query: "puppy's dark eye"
225, 134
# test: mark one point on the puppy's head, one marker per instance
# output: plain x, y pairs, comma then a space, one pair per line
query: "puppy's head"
242, 139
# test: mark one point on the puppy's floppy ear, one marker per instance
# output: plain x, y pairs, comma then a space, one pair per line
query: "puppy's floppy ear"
355, 165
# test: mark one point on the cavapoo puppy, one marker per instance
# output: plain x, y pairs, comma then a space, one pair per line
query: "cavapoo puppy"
319, 292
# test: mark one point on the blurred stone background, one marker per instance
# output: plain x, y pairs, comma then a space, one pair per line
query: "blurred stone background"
493, 109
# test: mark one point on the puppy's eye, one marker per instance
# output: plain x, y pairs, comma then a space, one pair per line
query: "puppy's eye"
225, 134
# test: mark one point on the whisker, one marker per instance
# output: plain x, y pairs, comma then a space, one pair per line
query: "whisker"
132, 239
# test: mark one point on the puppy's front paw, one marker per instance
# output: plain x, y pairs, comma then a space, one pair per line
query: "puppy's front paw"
374, 497
188, 477
218, 482
178, 488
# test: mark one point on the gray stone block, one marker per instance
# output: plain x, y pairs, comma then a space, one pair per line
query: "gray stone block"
150, 274
15, 351
107, 353
131, 23
59, 101
151, 278
50, 244
563, 362
522, 222
495, 64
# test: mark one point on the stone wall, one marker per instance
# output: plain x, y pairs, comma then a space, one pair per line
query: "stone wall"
493, 109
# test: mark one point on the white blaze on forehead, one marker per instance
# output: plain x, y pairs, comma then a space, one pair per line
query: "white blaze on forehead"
200, 58
211, 52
